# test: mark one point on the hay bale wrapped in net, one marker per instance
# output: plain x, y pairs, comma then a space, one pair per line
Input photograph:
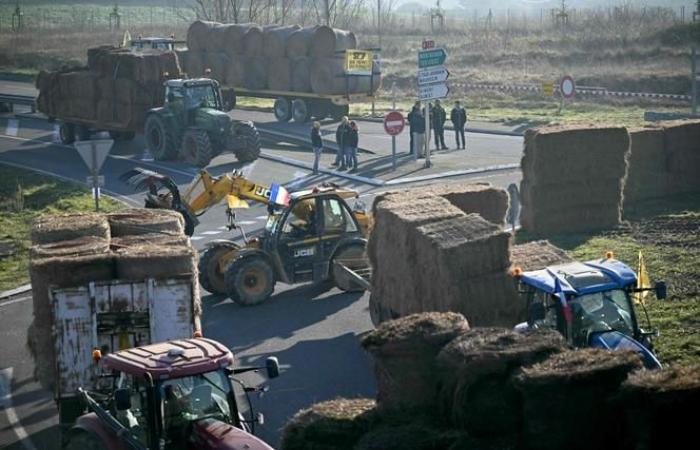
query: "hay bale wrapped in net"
299, 43
300, 74
537, 255
682, 146
60, 271
404, 351
233, 37
481, 198
256, 69
54, 228
330, 425
567, 399
279, 75
476, 369
253, 41
657, 405
326, 76
139, 240
326, 41
647, 175
275, 40
218, 63
198, 35
143, 221
86, 245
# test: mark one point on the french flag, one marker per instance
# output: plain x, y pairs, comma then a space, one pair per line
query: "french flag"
279, 195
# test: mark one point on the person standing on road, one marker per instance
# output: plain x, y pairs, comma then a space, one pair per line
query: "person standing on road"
438, 117
458, 116
417, 126
416, 107
353, 142
316, 144
341, 138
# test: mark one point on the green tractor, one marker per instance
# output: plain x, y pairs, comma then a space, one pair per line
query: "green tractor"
194, 126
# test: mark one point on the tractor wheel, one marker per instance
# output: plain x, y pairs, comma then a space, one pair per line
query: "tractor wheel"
82, 440
196, 148
339, 111
353, 257
229, 99
122, 136
161, 141
67, 133
300, 111
245, 142
282, 109
249, 281
210, 277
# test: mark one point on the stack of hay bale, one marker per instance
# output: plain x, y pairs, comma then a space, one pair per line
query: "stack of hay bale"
537, 255
279, 58
682, 147
76, 249
117, 88
481, 198
573, 178
429, 255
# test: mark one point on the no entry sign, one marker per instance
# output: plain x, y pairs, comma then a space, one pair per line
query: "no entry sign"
394, 123
567, 86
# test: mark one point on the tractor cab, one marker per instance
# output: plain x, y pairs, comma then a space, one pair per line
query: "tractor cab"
173, 395
598, 310
153, 43
192, 94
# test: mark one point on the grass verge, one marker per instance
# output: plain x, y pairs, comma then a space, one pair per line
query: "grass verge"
25, 195
667, 234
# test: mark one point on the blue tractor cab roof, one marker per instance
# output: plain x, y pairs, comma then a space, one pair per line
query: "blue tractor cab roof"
581, 278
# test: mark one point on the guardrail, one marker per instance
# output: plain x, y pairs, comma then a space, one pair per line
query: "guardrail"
10, 101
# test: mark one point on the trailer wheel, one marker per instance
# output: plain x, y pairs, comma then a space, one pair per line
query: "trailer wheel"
210, 277
82, 440
250, 280
300, 111
161, 140
320, 109
196, 147
245, 142
353, 257
282, 109
67, 133
122, 135
338, 111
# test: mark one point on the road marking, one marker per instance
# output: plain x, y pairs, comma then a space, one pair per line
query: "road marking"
261, 217
13, 301
56, 133
210, 233
12, 127
6, 404
248, 169
246, 222
146, 155
196, 238
223, 228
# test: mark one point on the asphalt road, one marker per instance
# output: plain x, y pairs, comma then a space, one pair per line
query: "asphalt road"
313, 333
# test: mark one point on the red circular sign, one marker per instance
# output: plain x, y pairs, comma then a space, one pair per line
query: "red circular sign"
394, 123
567, 86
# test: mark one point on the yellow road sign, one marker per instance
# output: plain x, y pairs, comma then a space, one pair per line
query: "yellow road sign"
358, 62
548, 88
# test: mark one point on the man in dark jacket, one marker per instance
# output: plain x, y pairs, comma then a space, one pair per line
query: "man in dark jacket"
341, 138
416, 107
458, 116
353, 142
316, 144
437, 118
417, 126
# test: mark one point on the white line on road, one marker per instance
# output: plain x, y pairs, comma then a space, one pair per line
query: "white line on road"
246, 222
6, 404
56, 133
247, 170
196, 238
210, 233
12, 127
261, 217
13, 301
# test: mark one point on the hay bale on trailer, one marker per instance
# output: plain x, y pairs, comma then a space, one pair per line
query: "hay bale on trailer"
279, 76
476, 368
218, 63
235, 71
326, 42
299, 43
537, 255
301, 75
404, 351
158, 239
143, 221
275, 40
414, 436
647, 175
567, 399
253, 41
85, 245
199, 35
481, 198
331, 425
233, 37
256, 70
327, 76
55, 228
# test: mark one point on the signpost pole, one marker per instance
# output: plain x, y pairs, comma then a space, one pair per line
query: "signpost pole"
427, 135
393, 137
694, 79
95, 180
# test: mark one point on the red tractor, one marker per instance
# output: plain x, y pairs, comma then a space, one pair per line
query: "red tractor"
174, 395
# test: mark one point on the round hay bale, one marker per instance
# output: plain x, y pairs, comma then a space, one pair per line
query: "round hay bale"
198, 35
326, 76
414, 436
333, 425
150, 260
253, 41
656, 405
279, 77
158, 239
326, 41
53, 228
300, 74
217, 62
299, 42
235, 71
143, 221
404, 350
275, 40
87, 245
255, 72
476, 370
234, 33
567, 399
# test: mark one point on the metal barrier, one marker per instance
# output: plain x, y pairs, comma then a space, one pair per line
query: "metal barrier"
8, 101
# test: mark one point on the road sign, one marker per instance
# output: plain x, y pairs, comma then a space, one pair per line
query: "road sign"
94, 152
394, 123
433, 75
428, 44
432, 91
567, 86
100, 181
431, 58
548, 88
358, 62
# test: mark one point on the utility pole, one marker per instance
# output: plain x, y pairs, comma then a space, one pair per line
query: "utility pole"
328, 12
694, 79
379, 22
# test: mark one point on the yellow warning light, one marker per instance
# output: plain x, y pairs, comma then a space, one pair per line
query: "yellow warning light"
197, 334
609, 255
207, 71
516, 271
96, 355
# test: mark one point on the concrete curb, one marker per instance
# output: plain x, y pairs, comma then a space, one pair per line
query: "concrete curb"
15, 291
336, 173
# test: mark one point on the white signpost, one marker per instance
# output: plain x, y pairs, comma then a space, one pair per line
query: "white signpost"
94, 154
432, 77
433, 91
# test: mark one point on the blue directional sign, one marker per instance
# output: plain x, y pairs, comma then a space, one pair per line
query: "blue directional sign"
431, 58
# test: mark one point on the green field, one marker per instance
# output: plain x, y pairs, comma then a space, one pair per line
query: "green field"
25, 195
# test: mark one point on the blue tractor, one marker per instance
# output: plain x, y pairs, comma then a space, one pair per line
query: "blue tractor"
591, 304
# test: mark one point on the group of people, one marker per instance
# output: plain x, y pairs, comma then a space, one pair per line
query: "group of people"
438, 117
347, 134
